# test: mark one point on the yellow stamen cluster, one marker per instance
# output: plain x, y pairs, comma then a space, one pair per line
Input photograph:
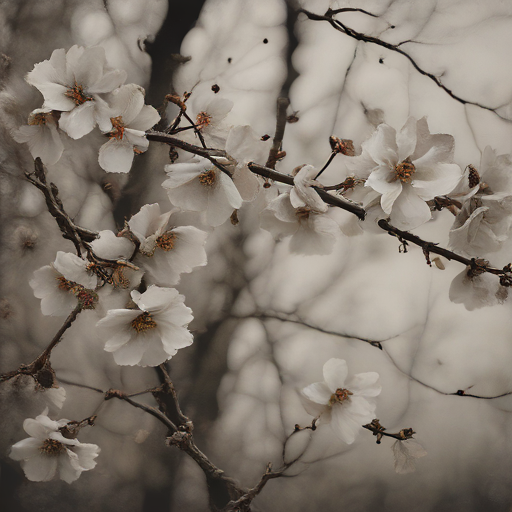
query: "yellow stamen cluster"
339, 396
52, 448
166, 241
207, 178
143, 322
404, 171
202, 120
77, 94
117, 128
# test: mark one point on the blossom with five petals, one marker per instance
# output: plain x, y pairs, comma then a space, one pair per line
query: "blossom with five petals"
408, 168
73, 83
165, 253
129, 119
151, 333
48, 450
345, 406
199, 186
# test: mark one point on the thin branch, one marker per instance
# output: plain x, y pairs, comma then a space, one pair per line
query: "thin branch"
40, 361
298, 321
338, 25
266, 172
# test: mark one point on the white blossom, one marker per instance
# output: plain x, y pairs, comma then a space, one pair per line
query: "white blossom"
244, 146
47, 451
129, 119
209, 115
302, 194
408, 168
164, 252
199, 186
477, 290
405, 453
42, 136
311, 232
60, 284
72, 83
150, 334
484, 221
345, 406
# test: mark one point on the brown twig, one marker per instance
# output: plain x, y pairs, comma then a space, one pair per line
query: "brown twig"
341, 27
266, 172
40, 361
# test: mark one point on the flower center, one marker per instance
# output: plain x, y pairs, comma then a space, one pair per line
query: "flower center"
143, 322
339, 396
166, 241
117, 128
52, 448
64, 284
202, 120
37, 119
86, 298
303, 212
207, 178
404, 171
77, 94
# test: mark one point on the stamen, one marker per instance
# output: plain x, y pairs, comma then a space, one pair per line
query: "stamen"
64, 284
37, 119
166, 241
143, 322
202, 120
52, 448
117, 128
303, 212
77, 94
207, 178
339, 396
404, 171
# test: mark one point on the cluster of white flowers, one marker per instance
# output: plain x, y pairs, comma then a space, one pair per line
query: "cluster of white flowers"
395, 176
52, 447
80, 92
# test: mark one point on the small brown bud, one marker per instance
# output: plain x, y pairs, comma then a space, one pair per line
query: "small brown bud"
343, 146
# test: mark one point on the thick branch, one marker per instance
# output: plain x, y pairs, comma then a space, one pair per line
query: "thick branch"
282, 105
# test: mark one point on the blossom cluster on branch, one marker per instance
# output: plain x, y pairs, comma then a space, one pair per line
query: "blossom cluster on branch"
398, 177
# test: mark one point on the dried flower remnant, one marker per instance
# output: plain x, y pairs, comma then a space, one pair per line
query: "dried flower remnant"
405, 453
343, 146
346, 406
50, 448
